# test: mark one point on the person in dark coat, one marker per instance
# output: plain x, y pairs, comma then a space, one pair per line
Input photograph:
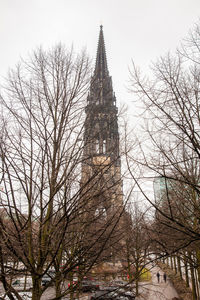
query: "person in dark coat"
165, 277
158, 276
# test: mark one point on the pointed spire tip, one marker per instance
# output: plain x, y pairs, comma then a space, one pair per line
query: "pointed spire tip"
101, 68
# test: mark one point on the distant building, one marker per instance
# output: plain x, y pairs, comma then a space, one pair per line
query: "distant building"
175, 197
160, 186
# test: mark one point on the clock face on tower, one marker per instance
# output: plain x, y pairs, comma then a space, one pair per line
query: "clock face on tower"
101, 160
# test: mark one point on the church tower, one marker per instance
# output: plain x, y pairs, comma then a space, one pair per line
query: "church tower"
101, 165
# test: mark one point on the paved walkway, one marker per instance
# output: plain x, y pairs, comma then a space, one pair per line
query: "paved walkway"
155, 290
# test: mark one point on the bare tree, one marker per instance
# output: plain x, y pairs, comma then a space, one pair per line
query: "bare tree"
171, 110
47, 222
137, 245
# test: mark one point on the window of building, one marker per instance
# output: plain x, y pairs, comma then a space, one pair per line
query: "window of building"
104, 146
97, 146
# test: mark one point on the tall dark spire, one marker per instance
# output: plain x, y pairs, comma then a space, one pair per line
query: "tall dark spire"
101, 68
101, 127
101, 91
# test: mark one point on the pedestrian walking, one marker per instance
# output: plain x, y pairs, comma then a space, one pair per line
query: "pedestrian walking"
158, 276
165, 277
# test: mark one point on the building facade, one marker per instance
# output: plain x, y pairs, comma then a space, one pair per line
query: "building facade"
101, 167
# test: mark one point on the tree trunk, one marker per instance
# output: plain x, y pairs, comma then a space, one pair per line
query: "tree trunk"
167, 261
171, 261
194, 294
58, 285
71, 287
198, 267
137, 274
36, 291
179, 266
175, 267
196, 281
186, 271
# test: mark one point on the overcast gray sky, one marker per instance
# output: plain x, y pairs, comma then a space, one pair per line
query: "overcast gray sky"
140, 30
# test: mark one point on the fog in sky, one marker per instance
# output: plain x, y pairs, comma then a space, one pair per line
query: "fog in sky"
138, 30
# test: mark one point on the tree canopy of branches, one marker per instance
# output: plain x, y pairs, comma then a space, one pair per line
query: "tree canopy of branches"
171, 100
44, 220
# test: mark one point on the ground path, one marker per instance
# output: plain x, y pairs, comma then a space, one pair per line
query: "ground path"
157, 291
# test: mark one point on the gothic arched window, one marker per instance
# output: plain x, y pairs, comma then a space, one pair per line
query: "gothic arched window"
97, 146
104, 146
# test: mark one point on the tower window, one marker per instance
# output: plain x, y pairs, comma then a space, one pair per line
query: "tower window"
97, 148
104, 146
